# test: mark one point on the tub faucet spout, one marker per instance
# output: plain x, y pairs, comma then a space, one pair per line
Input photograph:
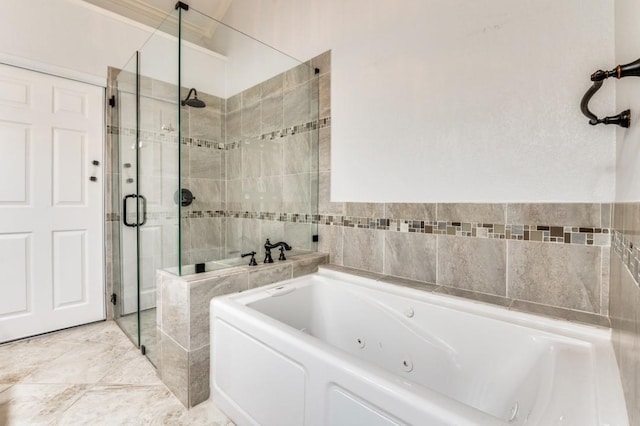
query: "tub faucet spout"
268, 246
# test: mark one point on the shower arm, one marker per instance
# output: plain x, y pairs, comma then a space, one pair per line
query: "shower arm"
624, 118
191, 92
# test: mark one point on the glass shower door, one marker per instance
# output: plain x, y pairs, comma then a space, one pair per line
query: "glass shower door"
147, 101
126, 294
158, 168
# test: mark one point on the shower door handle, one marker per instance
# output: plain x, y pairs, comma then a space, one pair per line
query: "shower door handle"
124, 210
144, 210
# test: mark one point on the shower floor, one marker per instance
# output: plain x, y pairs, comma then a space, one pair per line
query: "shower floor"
129, 324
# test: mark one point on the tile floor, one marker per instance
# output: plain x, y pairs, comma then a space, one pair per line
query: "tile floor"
129, 324
89, 375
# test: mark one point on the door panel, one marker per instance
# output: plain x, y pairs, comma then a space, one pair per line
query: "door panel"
69, 268
14, 92
15, 250
67, 101
69, 168
14, 163
51, 242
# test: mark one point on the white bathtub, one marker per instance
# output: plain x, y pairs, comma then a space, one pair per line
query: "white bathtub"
333, 348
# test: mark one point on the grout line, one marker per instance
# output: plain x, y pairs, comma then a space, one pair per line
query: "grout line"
437, 260
342, 246
506, 271
506, 212
173, 340
384, 250
602, 263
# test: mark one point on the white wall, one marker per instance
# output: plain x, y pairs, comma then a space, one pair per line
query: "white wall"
77, 37
456, 101
431, 101
628, 96
65, 34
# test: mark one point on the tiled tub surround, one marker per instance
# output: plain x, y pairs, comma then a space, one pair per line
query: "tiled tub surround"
183, 317
546, 258
625, 301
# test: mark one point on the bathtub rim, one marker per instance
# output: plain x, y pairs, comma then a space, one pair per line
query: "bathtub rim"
501, 313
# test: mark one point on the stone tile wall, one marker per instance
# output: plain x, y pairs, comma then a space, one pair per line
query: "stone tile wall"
183, 318
202, 156
625, 302
446, 247
272, 162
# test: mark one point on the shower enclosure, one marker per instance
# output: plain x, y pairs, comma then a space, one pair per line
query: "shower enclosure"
213, 146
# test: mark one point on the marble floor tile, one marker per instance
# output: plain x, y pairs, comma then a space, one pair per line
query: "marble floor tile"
21, 358
78, 365
89, 375
129, 324
103, 405
133, 369
204, 414
36, 404
103, 332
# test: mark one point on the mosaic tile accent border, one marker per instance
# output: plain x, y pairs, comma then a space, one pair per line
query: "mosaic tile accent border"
147, 136
212, 144
601, 237
197, 214
540, 233
301, 128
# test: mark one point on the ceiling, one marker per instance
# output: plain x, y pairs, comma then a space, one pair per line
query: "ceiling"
196, 27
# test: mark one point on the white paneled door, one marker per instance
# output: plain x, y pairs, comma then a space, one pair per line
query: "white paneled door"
51, 273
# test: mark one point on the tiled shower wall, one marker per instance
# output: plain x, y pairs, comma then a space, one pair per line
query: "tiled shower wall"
250, 161
272, 163
202, 158
625, 299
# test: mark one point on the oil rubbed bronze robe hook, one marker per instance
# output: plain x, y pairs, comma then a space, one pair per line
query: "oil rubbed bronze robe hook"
624, 118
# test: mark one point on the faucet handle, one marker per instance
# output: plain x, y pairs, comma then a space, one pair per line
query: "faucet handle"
252, 262
282, 254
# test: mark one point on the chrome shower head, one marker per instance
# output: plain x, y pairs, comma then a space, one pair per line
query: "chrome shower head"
195, 102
